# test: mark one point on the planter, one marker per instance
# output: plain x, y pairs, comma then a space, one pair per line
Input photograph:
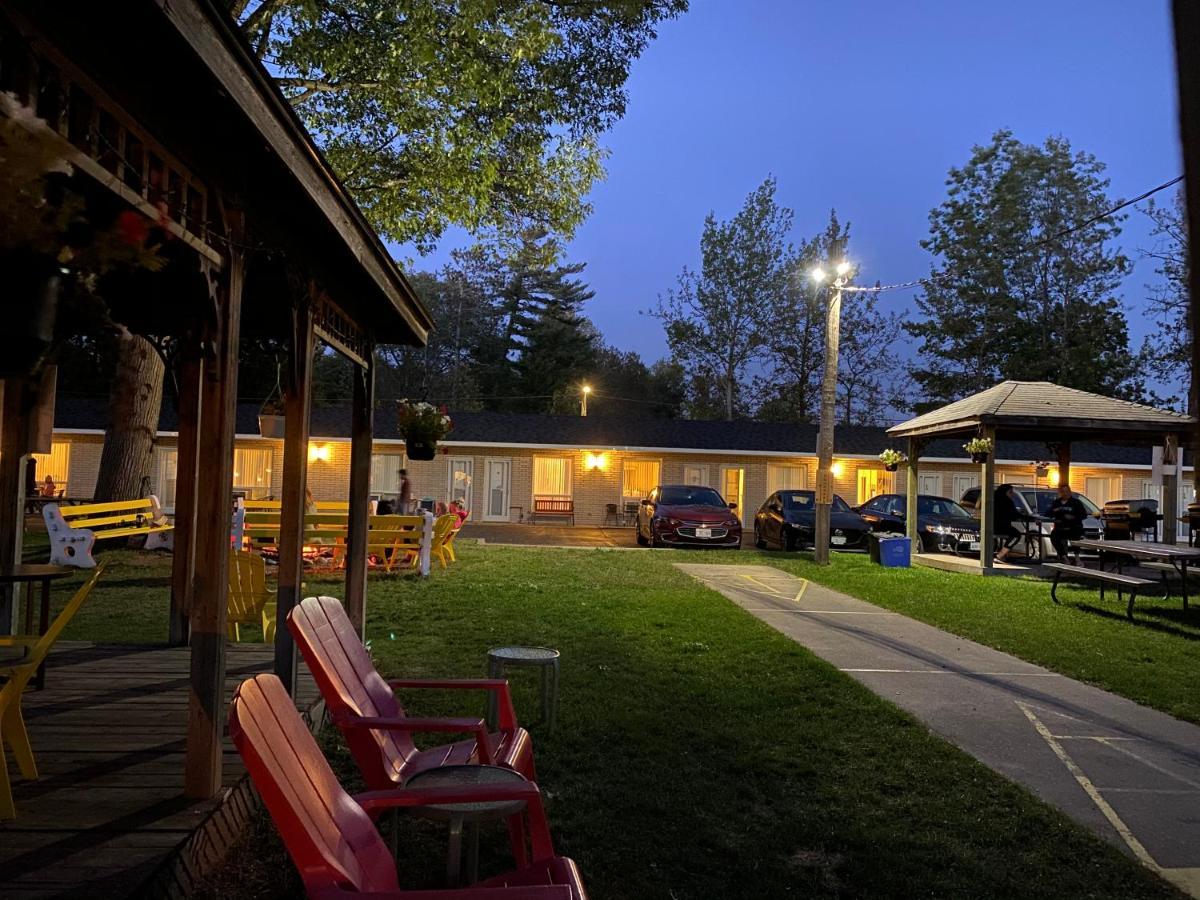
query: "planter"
271, 425
1041, 472
980, 457
31, 286
419, 449
891, 467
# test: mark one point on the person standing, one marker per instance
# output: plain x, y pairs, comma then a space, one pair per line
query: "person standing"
1068, 513
406, 500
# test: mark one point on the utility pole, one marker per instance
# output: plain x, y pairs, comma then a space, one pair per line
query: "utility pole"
583, 402
833, 327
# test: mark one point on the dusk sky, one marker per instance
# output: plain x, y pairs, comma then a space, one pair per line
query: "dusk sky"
862, 106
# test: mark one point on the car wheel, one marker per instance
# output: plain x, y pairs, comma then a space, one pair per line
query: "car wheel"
758, 541
655, 540
641, 539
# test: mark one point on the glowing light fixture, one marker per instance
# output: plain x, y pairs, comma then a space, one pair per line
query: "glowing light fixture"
1054, 478
593, 461
843, 268
318, 452
817, 274
837, 468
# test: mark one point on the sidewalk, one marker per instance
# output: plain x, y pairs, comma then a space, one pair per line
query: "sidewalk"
1129, 773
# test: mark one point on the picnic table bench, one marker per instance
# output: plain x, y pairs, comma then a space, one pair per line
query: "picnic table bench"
553, 507
74, 530
1122, 581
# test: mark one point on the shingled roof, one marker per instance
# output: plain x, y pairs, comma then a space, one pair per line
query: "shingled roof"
1029, 408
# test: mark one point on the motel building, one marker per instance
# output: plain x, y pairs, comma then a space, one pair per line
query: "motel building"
499, 463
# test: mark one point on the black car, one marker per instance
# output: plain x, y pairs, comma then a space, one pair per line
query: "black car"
787, 520
942, 524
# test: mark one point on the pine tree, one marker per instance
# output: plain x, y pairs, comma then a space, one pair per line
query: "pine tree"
1168, 350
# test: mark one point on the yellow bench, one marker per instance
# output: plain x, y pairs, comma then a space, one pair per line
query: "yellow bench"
74, 530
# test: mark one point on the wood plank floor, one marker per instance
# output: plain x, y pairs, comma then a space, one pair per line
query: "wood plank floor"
108, 737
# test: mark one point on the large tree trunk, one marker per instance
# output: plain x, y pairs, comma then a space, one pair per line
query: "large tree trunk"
133, 410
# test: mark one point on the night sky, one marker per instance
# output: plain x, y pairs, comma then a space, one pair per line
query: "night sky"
862, 105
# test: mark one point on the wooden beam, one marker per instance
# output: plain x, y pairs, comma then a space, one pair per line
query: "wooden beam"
1170, 490
362, 431
1063, 452
987, 528
218, 415
183, 564
297, 402
14, 433
913, 489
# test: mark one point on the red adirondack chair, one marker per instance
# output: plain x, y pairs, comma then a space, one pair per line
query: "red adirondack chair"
377, 731
331, 836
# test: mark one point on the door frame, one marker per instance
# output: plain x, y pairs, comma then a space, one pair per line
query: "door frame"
487, 488
741, 500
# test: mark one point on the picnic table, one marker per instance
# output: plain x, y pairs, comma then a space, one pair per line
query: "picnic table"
1173, 555
29, 574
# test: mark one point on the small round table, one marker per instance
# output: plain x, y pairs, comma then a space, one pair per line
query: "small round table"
500, 658
470, 814
27, 574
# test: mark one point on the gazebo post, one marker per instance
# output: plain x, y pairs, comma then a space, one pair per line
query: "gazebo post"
218, 420
361, 436
297, 400
910, 519
1063, 450
14, 438
987, 531
183, 562
1170, 499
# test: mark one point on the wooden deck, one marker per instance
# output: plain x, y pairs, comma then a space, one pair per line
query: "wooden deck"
108, 736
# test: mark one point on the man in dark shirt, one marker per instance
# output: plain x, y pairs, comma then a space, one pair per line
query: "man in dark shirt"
1068, 514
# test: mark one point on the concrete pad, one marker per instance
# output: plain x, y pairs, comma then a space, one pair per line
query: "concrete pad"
1129, 773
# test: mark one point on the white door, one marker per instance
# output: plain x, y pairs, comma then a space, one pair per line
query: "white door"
871, 483
960, 484
499, 472
930, 485
733, 482
462, 471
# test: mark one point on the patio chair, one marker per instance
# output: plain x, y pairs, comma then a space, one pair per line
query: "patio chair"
32, 651
331, 836
444, 529
250, 602
376, 728
611, 511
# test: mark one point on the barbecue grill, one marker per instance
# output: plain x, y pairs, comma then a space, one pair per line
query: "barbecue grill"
1123, 519
1192, 518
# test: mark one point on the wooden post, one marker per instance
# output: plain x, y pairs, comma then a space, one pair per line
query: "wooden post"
361, 436
1063, 451
1170, 489
913, 489
987, 530
183, 564
14, 435
297, 403
218, 414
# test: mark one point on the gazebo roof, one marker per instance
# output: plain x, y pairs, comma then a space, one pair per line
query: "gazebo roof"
1048, 411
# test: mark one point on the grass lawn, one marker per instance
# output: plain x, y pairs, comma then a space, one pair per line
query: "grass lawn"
699, 753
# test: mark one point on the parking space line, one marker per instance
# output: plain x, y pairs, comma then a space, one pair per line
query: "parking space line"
956, 672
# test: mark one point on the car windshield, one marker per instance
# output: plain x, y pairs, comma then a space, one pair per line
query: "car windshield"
1041, 500
805, 501
690, 496
940, 506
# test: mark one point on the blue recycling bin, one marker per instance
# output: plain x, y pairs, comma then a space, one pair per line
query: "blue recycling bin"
895, 552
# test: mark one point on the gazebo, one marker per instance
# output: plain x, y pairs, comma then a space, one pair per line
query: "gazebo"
1057, 416
163, 109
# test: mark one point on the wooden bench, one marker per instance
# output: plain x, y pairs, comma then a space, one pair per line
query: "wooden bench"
1123, 582
74, 530
545, 506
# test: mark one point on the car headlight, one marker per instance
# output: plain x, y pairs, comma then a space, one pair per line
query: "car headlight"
938, 529
674, 523
732, 523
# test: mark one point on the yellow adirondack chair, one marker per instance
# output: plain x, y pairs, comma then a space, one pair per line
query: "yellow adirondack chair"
250, 602
443, 538
18, 673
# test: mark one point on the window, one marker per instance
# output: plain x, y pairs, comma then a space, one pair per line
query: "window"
461, 474
638, 478
697, 475
385, 474
786, 478
251, 473
870, 483
56, 464
552, 477
168, 475
1102, 489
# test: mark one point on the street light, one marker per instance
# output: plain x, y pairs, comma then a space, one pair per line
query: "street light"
825, 473
583, 402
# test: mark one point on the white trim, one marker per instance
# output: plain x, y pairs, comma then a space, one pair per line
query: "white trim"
487, 489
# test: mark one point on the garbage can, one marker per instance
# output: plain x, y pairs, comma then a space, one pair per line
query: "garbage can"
873, 540
895, 552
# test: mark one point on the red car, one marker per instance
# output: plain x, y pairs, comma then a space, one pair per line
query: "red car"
687, 515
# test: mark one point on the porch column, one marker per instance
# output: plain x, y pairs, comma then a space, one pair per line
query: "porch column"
987, 532
14, 435
1170, 500
183, 562
218, 419
362, 430
913, 489
1063, 451
297, 403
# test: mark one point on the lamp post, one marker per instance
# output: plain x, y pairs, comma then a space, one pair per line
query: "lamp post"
583, 401
833, 323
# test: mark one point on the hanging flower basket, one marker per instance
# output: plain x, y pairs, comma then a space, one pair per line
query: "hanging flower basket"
980, 449
891, 459
1041, 470
271, 426
422, 425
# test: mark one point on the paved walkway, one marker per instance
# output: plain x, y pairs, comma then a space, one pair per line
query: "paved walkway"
1129, 773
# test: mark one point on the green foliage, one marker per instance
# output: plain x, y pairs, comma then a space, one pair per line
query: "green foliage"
467, 112
1008, 297
1168, 350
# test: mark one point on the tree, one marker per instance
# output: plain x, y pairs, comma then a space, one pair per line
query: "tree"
1168, 350
623, 384
868, 364
467, 112
1023, 278
134, 405
717, 321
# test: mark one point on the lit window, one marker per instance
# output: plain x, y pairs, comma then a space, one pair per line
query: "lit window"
638, 477
552, 477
